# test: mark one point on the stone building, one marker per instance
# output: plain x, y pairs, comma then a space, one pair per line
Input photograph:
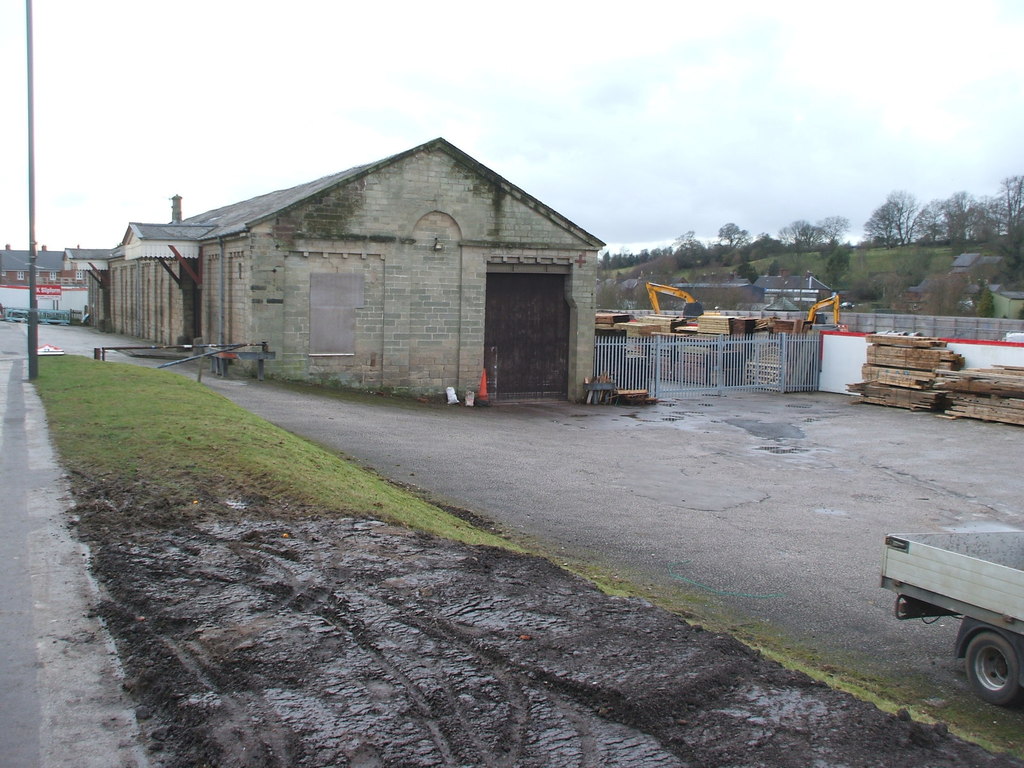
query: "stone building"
413, 273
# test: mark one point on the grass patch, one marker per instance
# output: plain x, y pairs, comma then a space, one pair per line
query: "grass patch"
139, 424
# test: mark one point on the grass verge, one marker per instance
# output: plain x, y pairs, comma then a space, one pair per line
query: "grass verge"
133, 423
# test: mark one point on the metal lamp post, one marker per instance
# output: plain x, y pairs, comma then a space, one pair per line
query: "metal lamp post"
33, 311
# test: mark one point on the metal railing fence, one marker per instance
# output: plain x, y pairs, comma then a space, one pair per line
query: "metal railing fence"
669, 366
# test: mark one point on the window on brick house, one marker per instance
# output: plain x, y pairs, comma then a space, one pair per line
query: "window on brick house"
53, 276
79, 275
333, 302
21, 275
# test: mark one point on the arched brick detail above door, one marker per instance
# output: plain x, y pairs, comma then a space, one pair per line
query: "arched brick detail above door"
437, 225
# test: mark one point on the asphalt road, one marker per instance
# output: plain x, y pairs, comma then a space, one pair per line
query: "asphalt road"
773, 508
61, 701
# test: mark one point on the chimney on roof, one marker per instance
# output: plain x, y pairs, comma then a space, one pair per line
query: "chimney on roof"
176, 209
7, 247
44, 247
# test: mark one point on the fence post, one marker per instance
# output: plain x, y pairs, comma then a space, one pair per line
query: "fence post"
783, 360
655, 377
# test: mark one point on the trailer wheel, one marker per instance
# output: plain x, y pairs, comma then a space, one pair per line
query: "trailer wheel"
994, 669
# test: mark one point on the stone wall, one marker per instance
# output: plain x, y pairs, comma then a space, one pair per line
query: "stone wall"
146, 302
421, 233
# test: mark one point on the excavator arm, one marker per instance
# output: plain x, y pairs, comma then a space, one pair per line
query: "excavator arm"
832, 300
693, 308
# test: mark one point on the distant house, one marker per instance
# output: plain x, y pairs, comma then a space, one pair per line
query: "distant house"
781, 304
1009, 304
802, 291
733, 292
413, 273
14, 267
59, 285
974, 262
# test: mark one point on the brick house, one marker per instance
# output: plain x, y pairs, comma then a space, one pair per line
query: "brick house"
802, 291
59, 284
412, 273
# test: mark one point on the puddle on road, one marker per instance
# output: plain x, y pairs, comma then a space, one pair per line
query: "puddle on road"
781, 449
771, 430
831, 512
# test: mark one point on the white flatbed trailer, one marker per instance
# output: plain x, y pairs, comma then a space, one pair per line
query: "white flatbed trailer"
978, 576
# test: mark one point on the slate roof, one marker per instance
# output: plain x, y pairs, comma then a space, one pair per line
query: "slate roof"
232, 219
170, 231
966, 261
89, 254
736, 283
18, 261
782, 304
238, 217
791, 283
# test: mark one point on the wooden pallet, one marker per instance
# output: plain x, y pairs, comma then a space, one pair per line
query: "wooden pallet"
1002, 381
916, 358
898, 397
989, 394
895, 377
1000, 409
911, 342
611, 318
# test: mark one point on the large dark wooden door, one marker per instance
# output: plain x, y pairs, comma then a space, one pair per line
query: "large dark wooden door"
526, 336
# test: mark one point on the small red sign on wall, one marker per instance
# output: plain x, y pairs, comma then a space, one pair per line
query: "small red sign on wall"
48, 291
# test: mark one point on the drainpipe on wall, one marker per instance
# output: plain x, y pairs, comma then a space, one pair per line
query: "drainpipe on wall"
137, 278
222, 365
220, 292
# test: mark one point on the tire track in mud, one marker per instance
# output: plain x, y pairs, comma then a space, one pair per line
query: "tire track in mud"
339, 642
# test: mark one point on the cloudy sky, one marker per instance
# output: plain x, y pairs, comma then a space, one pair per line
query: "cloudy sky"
639, 121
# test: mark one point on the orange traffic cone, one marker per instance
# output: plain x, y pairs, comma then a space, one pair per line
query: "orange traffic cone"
481, 394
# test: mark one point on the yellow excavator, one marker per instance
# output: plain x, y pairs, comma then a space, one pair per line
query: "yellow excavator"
832, 301
692, 308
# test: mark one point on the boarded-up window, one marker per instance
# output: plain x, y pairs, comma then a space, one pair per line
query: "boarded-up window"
333, 301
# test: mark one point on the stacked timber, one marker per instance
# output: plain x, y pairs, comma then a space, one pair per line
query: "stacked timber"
798, 325
704, 326
608, 319
716, 325
912, 352
637, 328
901, 371
665, 323
989, 394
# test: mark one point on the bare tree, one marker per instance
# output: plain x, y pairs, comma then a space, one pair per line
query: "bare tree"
1008, 212
801, 235
833, 228
931, 223
689, 251
894, 221
731, 236
964, 218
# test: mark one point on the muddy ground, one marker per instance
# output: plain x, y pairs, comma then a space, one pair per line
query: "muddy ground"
256, 636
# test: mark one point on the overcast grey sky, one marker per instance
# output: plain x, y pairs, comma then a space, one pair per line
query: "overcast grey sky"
638, 121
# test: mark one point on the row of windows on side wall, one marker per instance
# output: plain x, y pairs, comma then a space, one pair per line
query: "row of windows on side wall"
53, 275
